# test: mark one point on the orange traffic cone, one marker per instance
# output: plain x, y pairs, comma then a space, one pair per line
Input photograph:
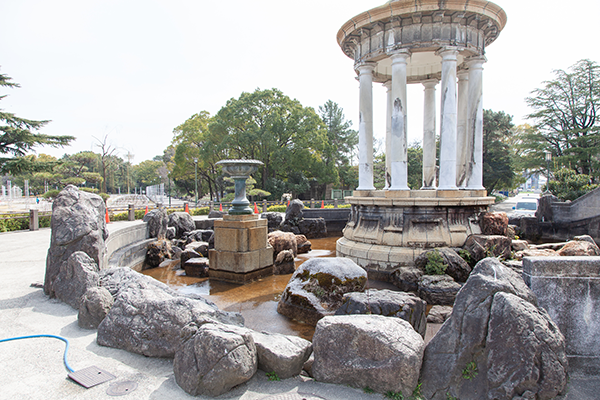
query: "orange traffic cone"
322, 203
187, 208
288, 203
255, 208
106, 217
146, 210
221, 207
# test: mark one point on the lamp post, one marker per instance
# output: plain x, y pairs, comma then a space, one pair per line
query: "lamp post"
196, 179
548, 159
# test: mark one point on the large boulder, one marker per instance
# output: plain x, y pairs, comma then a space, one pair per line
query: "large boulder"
94, 307
157, 223
293, 213
197, 267
579, 248
372, 351
283, 354
280, 241
147, 316
214, 358
198, 235
494, 223
313, 228
456, 266
182, 222
438, 289
317, 287
76, 276
497, 344
303, 244
389, 304
78, 224
482, 246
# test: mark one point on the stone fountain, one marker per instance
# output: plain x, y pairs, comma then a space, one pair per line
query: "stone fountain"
242, 252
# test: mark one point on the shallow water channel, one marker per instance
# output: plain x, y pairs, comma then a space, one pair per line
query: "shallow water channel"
256, 301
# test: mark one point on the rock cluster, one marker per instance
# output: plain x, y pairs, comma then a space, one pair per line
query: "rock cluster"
294, 222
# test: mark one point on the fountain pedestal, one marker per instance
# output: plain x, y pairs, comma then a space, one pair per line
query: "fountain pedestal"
242, 253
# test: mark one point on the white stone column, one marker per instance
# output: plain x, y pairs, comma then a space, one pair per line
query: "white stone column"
388, 136
462, 148
365, 127
475, 124
448, 123
429, 119
399, 153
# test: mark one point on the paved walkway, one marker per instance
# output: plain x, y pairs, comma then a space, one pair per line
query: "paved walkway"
33, 368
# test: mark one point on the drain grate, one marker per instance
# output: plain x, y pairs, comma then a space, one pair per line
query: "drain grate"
91, 376
121, 388
293, 396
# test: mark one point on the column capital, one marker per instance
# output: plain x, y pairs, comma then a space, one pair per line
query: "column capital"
387, 85
476, 62
365, 67
448, 53
463, 74
399, 55
430, 83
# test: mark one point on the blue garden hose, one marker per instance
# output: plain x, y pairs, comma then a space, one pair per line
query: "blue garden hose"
49, 336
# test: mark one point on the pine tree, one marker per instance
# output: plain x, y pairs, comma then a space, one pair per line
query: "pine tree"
18, 136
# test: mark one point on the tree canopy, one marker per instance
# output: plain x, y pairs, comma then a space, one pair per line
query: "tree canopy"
565, 117
498, 155
18, 136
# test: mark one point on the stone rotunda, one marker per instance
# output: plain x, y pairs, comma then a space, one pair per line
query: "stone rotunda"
433, 43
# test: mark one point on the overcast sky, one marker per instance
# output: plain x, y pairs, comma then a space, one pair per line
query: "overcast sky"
134, 70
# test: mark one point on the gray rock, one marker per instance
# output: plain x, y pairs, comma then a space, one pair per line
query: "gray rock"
214, 358
284, 263
519, 245
78, 224
497, 344
182, 222
171, 232
147, 315
199, 235
406, 278
308, 364
274, 219
199, 247
76, 276
157, 252
293, 213
285, 355
95, 305
372, 351
575, 248
317, 287
438, 289
439, 314
215, 214
457, 268
313, 228
389, 304
482, 246
187, 255
157, 223
585, 238
197, 267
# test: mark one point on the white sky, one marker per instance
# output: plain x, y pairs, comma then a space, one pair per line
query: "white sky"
134, 70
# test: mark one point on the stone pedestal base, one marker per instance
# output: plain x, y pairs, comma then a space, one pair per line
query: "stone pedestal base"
241, 252
389, 230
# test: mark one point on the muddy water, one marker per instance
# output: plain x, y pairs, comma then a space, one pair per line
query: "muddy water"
256, 301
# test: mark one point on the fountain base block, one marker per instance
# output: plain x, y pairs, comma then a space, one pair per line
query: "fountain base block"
241, 252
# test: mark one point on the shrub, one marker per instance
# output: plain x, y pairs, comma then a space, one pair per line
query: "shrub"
435, 264
199, 211
277, 208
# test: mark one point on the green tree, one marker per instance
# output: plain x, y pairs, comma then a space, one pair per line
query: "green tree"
341, 138
18, 136
147, 173
569, 185
415, 165
498, 171
565, 116
270, 127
